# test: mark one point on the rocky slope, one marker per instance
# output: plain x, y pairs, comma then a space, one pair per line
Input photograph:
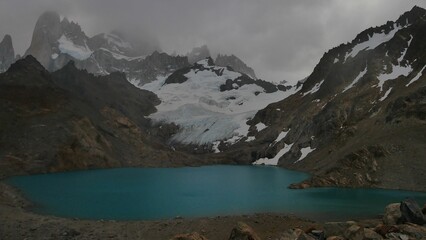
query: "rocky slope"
7, 53
359, 118
71, 119
235, 63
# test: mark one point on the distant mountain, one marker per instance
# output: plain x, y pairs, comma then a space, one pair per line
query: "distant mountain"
211, 104
359, 118
198, 53
235, 63
7, 53
57, 41
71, 119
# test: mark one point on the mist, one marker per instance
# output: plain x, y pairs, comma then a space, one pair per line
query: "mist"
281, 40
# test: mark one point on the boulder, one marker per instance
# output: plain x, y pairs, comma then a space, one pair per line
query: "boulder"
411, 212
336, 238
354, 232
336, 228
243, 232
370, 234
392, 214
413, 230
189, 236
296, 234
385, 229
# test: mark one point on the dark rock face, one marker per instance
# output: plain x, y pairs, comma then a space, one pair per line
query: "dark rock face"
7, 53
358, 114
236, 64
411, 212
198, 53
72, 120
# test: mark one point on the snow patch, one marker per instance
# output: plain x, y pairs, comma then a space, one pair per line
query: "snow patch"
305, 151
374, 41
417, 77
386, 95
355, 81
55, 56
397, 71
78, 52
274, 160
405, 50
251, 138
281, 136
260, 126
315, 89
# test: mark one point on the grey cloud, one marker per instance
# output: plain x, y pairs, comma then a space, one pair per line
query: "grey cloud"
279, 39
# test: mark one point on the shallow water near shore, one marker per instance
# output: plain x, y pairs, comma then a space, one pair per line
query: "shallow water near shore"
163, 193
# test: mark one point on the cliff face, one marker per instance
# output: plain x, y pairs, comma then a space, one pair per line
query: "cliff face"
7, 53
235, 63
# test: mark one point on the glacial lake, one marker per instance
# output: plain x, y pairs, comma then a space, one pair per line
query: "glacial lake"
164, 193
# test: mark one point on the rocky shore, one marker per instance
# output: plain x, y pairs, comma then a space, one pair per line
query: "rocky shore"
405, 220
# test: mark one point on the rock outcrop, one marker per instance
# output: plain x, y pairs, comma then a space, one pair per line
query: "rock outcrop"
7, 53
235, 63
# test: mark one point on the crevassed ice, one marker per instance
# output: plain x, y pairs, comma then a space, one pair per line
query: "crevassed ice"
204, 113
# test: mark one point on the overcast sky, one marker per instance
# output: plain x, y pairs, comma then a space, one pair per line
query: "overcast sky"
280, 39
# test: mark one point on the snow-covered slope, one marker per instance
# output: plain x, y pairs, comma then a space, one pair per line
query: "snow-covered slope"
204, 108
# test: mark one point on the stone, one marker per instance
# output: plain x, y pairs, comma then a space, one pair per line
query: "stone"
318, 234
336, 238
370, 234
336, 228
296, 234
189, 236
354, 232
243, 232
411, 212
413, 230
392, 214
385, 229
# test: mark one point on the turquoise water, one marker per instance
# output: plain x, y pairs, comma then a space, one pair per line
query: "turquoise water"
162, 193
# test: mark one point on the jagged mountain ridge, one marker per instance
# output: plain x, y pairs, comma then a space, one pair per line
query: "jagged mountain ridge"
71, 119
7, 53
358, 119
236, 64
57, 41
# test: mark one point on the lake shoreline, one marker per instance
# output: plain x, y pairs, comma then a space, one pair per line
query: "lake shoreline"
19, 222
